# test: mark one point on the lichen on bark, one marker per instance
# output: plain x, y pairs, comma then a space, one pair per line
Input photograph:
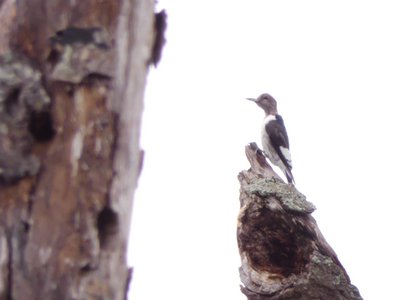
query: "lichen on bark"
291, 199
77, 53
24, 106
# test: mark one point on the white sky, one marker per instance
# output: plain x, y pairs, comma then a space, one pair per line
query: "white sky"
334, 68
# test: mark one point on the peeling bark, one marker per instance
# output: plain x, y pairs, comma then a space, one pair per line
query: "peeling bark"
72, 78
284, 255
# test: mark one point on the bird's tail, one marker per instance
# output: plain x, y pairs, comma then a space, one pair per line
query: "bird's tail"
289, 176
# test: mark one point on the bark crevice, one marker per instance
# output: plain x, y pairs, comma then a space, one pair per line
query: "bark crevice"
107, 226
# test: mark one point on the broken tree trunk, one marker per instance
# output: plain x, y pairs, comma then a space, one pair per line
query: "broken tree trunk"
72, 78
283, 253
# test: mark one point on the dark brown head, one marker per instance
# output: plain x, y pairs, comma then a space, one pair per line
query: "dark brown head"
267, 103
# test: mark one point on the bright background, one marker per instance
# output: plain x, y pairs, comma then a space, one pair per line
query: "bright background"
334, 68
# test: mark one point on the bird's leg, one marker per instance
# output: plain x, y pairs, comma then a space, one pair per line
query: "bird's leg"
260, 152
264, 153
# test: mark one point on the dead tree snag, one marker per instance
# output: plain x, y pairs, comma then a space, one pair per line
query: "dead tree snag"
283, 253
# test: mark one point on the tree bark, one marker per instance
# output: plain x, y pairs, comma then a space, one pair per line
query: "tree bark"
283, 253
72, 79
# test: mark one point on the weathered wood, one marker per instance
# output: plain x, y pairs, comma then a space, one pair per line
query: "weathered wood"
284, 255
72, 79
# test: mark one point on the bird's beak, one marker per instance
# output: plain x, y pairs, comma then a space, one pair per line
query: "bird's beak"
252, 99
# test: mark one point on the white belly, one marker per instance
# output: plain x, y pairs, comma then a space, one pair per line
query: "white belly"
268, 149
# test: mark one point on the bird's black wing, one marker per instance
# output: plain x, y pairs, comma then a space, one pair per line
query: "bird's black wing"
279, 139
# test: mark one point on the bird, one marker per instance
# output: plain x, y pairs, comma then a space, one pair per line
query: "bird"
275, 141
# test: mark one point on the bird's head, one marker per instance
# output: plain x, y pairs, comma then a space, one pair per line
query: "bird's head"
266, 102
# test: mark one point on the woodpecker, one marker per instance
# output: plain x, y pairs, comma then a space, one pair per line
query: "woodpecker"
275, 141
